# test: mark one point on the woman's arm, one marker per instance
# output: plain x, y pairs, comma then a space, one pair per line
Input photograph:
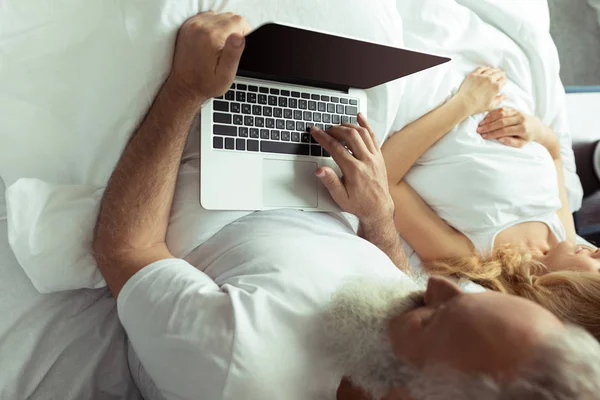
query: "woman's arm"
513, 128
405, 147
428, 234
478, 93
565, 215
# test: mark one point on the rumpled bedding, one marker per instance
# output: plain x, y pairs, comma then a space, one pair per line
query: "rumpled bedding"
81, 79
508, 34
76, 77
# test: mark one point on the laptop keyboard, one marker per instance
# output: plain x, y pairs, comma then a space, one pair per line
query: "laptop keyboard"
259, 119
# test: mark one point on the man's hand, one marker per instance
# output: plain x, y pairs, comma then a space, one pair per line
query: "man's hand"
363, 189
480, 91
207, 54
514, 128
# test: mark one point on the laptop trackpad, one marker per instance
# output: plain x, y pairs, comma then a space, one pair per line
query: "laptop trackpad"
290, 184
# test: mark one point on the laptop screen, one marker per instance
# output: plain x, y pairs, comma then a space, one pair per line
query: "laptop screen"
299, 56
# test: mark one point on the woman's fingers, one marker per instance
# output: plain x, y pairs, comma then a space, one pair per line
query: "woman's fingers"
497, 114
498, 100
514, 130
498, 124
480, 70
513, 141
490, 71
497, 74
502, 81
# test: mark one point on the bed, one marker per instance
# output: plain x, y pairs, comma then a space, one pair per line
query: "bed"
65, 345
75, 78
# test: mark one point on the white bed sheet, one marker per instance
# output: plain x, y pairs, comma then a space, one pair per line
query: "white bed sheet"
67, 346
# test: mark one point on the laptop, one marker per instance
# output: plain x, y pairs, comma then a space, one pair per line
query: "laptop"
255, 146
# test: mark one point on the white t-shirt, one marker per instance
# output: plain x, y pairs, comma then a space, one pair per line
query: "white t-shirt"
481, 187
243, 323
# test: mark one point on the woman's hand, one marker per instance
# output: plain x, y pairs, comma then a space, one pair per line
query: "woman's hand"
514, 128
480, 91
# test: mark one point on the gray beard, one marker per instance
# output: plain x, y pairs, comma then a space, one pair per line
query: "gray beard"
355, 329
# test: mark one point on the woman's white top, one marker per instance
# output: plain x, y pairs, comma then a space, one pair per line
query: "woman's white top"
482, 187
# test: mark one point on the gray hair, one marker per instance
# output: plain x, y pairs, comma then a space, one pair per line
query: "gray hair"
565, 365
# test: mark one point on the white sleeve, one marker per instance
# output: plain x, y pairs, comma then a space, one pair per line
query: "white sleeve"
181, 326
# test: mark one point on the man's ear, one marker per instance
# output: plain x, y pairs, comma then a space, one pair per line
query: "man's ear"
440, 290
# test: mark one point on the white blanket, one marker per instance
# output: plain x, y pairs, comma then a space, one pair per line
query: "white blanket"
512, 35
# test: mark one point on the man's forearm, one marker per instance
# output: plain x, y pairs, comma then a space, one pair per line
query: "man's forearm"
385, 236
404, 148
135, 210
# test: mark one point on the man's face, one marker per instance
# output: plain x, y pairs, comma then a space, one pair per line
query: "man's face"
383, 334
487, 332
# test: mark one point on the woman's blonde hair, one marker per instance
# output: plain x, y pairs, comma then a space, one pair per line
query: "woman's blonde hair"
572, 296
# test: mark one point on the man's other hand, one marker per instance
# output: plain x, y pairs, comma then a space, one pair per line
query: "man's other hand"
207, 54
363, 188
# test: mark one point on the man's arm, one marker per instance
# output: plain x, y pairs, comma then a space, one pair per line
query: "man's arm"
478, 93
132, 224
384, 235
363, 190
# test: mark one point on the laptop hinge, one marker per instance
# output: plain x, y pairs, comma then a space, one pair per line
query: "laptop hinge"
294, 81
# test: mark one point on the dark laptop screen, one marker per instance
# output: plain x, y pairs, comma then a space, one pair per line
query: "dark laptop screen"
286, 54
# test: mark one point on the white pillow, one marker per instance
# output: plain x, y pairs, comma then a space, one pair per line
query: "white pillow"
76, 79
77, 76
50, 231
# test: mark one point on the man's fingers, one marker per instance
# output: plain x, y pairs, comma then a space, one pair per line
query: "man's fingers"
333, 183
364, 134
480, 70
338, 152
230, 57
353, 139
513, 141
362, 121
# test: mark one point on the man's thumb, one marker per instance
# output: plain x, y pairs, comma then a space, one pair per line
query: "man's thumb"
230, 57
333, 183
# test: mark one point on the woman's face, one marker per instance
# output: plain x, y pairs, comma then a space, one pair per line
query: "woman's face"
569, 257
